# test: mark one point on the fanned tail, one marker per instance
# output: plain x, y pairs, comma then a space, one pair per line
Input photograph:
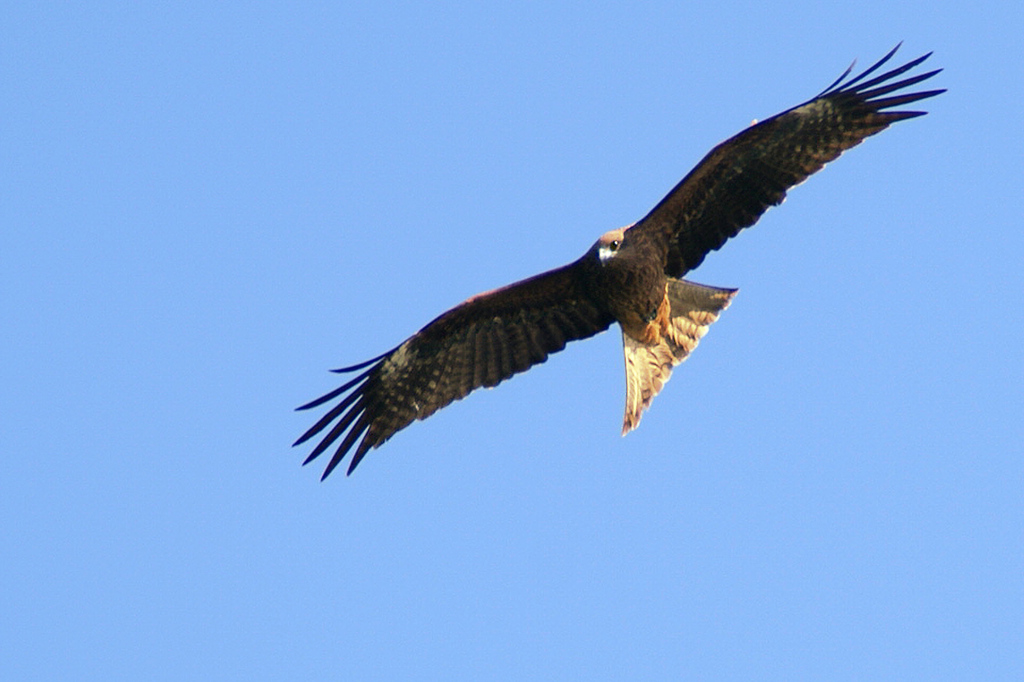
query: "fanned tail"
648, 368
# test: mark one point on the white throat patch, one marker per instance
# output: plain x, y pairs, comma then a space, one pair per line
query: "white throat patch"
606, 253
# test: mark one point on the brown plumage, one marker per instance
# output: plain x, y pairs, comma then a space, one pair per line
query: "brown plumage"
630, 276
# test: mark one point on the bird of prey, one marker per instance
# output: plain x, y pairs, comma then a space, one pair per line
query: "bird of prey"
631, 276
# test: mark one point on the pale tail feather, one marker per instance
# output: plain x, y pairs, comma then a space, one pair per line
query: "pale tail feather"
648, 368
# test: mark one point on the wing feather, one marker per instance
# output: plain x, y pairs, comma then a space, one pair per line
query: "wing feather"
493, 367
481, 342
481, 355
740, 179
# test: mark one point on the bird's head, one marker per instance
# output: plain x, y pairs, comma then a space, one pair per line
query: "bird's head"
609, 245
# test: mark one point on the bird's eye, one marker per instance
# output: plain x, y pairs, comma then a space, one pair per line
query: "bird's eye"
615, 244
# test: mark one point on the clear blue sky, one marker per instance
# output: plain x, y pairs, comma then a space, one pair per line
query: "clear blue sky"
206, 206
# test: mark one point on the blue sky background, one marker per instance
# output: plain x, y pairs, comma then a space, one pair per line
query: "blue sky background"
205, 206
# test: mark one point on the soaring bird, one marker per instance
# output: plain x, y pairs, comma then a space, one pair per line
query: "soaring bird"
632, 276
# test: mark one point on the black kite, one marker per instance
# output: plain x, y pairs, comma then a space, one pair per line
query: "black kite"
630, 276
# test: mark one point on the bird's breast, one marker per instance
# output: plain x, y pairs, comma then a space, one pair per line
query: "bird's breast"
645, 316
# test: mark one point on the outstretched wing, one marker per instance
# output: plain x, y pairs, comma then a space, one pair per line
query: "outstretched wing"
480, 342
745, 175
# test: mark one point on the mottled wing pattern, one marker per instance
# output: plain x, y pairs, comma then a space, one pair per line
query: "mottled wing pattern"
747, 174
693, 308
480, 342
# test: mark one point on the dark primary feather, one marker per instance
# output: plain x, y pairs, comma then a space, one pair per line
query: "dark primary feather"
481, 342
747, 174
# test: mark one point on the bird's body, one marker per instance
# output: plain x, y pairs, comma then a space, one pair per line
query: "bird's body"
630, 279
630, 276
